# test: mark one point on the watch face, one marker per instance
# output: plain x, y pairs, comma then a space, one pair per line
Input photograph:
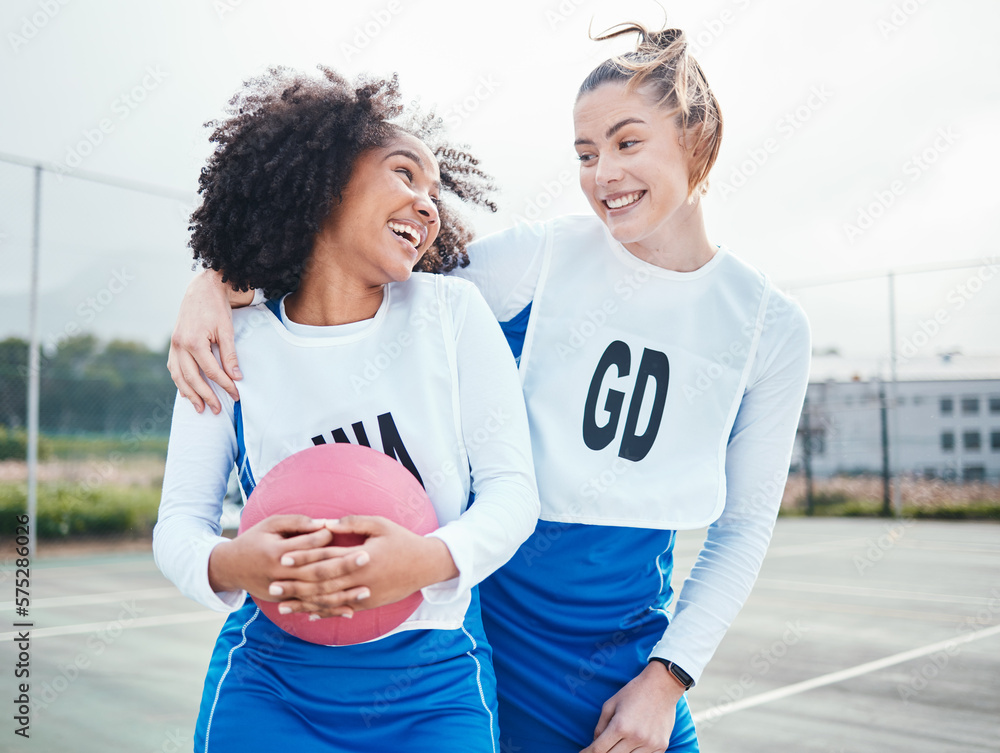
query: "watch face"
681, 675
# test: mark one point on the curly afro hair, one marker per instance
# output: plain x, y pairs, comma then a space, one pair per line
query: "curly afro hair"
281, 162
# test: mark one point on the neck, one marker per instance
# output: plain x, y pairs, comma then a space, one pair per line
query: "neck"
682, 245
328, 295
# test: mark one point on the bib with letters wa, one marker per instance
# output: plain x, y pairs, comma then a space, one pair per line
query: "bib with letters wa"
633, 376
390, 383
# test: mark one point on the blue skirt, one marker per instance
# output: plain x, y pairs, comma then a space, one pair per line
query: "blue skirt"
572, 618
418, 690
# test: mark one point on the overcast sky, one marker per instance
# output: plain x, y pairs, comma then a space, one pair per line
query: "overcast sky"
859, 136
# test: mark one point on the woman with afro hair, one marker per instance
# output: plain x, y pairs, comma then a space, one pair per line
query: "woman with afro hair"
319, 196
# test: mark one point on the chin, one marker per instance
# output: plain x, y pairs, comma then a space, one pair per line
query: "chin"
399, 274
622, 232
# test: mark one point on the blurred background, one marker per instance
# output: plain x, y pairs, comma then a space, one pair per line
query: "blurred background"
857, 170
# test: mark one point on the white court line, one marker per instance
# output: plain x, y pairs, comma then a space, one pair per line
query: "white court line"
822, 546
127, 561
845, 674
138, 622
941, 546
790, 585
105, 598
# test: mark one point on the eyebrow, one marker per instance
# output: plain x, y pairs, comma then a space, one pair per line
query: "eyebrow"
612, 130
413, 156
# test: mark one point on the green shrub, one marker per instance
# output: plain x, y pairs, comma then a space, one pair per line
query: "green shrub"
827, 500
14, 445
83, 446
67, 510
836, 504
978, 510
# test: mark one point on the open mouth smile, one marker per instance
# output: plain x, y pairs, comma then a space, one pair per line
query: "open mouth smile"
623, 200
413, 233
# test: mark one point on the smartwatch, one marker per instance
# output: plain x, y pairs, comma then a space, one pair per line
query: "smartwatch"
679, 674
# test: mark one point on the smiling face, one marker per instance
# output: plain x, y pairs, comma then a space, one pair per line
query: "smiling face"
388, 215
634, 169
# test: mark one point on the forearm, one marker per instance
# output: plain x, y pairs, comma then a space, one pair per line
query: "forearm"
199, 458
435, 565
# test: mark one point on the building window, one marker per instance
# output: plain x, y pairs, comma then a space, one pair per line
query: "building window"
971, 440
947, 441
918, 399
947, 406
995, 441
995, 405
970, 406
974, 473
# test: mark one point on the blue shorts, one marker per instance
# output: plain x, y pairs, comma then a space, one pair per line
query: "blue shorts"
416, 690
572, 618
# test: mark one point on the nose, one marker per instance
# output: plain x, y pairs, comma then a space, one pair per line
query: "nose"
608, 169
426, 207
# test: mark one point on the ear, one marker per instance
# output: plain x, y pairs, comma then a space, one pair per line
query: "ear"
691, 141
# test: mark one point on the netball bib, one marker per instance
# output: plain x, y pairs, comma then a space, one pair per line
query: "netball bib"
348, 389
632, 376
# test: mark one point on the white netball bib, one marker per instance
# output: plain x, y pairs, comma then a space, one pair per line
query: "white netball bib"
633, 376
356, 387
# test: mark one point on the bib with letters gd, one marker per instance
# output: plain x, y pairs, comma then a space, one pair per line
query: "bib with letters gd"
633, 376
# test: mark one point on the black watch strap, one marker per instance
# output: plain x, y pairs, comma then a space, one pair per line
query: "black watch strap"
679, 674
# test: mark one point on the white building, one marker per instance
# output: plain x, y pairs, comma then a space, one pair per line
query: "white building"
943, 428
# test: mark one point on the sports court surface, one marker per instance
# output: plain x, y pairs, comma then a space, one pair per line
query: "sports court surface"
861, 636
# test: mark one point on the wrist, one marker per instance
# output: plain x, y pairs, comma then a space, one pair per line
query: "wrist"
438, 565
211, 279
672, 686
219, 570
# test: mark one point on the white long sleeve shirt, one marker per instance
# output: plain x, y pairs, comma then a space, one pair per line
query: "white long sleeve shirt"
432, 364
739, 487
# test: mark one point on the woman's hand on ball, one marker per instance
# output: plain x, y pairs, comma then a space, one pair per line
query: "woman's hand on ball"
393, 563
261, 557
